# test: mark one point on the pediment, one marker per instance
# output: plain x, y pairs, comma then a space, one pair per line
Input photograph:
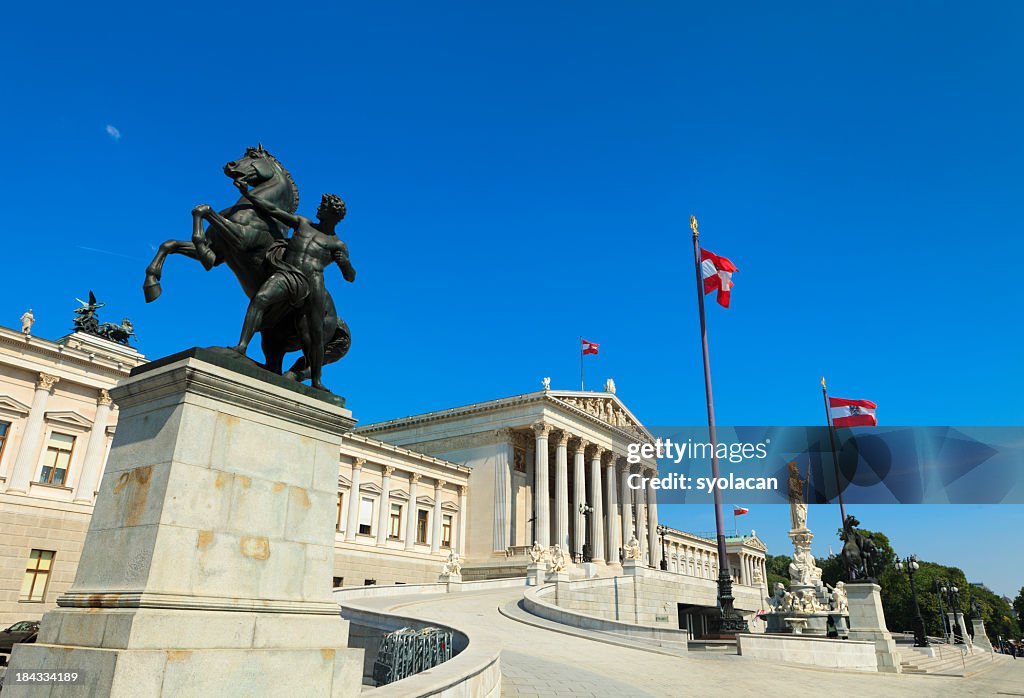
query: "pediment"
371, 488
399, 495
755, 542
344, 481
68, 419
425, 500
12, 406
606, 408
449, 506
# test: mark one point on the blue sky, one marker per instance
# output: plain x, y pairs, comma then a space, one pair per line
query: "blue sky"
521, 175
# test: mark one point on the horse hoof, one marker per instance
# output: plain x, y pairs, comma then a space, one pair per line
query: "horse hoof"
290, 375
152, 290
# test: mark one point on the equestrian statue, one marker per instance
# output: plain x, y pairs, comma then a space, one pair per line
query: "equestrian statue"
858, 549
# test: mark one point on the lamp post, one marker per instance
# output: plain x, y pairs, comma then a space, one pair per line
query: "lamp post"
954, 605
940, 591
585, 511
911, 565
662, 530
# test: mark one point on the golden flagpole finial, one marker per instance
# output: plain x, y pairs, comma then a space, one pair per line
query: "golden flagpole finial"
693, 224
823, 382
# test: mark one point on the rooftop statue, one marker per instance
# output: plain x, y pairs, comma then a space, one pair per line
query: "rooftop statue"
283, 277
86, 320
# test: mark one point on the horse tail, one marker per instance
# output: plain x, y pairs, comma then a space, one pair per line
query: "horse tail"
339, 344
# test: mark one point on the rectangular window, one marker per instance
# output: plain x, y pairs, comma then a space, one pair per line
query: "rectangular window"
5, 428
422, 517
37, 575
365, 517
341, 500
58, 458
369, 582
395, 524
446, 531
339, 582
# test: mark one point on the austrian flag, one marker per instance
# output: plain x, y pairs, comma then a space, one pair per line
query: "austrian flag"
588, 347
852, 413
717, 272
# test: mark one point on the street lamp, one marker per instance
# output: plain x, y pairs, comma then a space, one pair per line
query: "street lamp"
662, 530
911, 565
954, 605
941, 589
585, 511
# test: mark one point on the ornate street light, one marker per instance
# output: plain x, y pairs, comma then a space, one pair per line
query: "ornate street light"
911, 565
585, 511
954, 605
941, 589
662, 530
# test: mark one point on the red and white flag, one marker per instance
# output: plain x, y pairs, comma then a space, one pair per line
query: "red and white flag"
852, 413
588, 347
717, 272
740, 511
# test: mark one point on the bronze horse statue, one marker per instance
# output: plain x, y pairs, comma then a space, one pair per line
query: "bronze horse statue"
858, 550
241, 236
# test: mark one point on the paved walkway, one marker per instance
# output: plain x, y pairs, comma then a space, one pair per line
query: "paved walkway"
538, 662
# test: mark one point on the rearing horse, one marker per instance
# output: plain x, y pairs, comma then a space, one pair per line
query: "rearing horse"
240, 237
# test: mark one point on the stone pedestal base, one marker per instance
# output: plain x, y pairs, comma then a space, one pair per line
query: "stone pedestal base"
963, 629
206, 569
589, 570
535, 572
633, 568
867, 623
981, 640
556, 577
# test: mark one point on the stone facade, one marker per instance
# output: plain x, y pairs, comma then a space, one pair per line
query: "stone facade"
57, 420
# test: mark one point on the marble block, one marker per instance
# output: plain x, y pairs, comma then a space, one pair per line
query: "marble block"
535, 573
867, 623
206, 569
981, 640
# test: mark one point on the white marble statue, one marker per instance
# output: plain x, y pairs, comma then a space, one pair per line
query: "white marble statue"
546, 382
632, 550
803, 569
840, 602
557, 561
537, 553
27, 320
453, 565
609, 386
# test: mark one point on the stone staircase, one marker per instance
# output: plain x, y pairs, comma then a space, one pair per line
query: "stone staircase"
943, 660
722, 646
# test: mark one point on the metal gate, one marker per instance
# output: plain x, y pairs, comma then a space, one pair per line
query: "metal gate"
407, 651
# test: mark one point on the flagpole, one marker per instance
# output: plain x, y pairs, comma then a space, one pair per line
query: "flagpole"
731, 622
832, 442
581, 364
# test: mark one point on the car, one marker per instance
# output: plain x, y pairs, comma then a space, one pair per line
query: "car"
22, 631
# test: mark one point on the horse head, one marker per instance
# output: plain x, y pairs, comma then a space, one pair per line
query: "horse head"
259, 169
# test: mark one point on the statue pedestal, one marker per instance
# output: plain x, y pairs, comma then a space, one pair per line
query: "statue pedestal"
981, 640
867, 622
963, 629
535, 572
207, 566
633, 568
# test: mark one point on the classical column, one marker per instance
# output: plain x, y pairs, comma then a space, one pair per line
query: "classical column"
384, 515
612, 510
627, 507
31, 438
562, 490
530, 491
410, 516
435, 534
542, 505
652, 523
354, 500
503, 490
463, 513
640, 516
92, 465
579, 497
596, 496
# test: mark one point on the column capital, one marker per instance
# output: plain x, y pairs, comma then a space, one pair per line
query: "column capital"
414, 477
439, 484
562, 439
541, 429
579, 444
46, 381
608, 457
463, 490
104, 398
389, 470
358, 463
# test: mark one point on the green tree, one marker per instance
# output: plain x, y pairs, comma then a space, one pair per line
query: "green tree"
778, 570
1018, 607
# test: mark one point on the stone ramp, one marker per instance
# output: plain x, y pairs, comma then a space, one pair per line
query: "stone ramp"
943, 660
